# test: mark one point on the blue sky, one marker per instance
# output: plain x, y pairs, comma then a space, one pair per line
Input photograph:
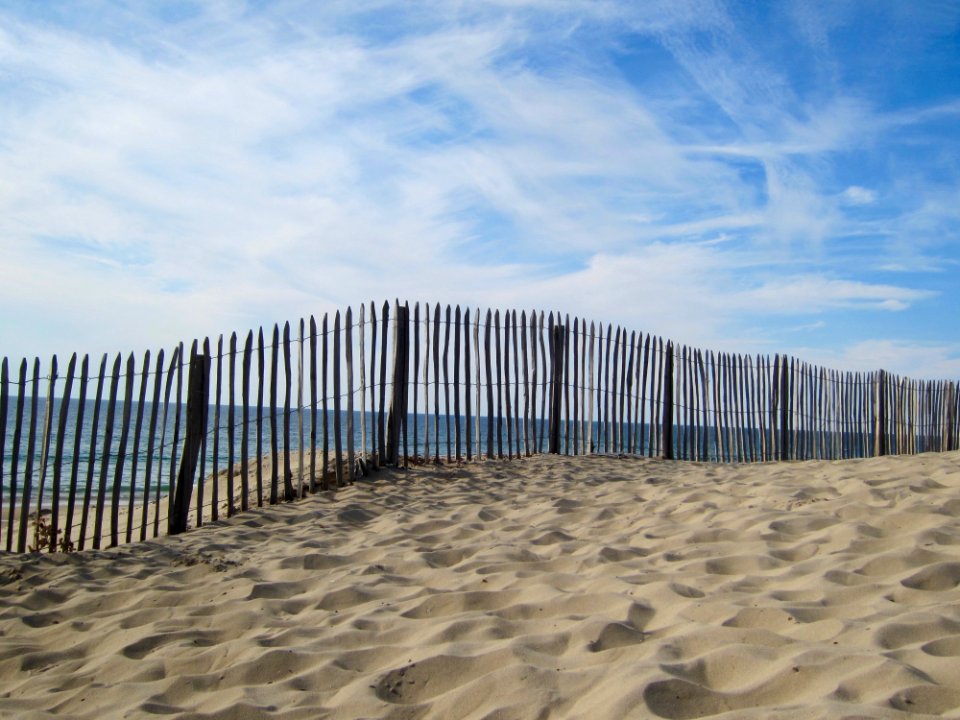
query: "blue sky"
742, 176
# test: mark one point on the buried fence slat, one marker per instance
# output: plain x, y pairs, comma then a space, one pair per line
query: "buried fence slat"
337, 439
245, 420
348, 353
105, 454
288, 386
121, 453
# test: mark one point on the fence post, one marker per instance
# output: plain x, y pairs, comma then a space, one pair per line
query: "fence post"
667, 419
880, 441
398, 400
556, 386
786, 408
951, 429
196, 403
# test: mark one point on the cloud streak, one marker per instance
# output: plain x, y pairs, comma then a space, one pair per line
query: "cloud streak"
169, 176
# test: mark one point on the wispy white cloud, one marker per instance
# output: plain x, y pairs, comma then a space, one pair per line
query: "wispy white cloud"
193, 171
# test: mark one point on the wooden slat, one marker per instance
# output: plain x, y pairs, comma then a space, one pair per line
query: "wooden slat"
105, 454
301, 469
231, 425
138, 429
151, 438
361, 332
374, 444
385, 325
287, 391
348, 342
489, 376
498, 355
508, 402
12, 527
122, 452
467, 380
215, 458
168, 386
261, 373
629, 393
566, 386
325, 415
4, 403
426, 382
609, 390
416, 382
55, 542
435, 354
274, 443
477, 389
446, 379
175, 447
46, 433
644, 432
245, 421
313, 404
592, 446
526, 382
406, 379
337, 438
576, 387
534, 422
203, 441
456, 383
544, 395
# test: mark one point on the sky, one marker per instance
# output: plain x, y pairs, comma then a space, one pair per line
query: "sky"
754, 177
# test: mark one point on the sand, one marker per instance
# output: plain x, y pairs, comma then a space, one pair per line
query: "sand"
556, 587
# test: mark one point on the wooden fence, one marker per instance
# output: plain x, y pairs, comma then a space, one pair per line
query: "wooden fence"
443, 385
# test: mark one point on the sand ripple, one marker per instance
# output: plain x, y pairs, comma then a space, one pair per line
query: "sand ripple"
554, 587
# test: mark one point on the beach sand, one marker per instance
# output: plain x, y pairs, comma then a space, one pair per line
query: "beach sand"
592, 587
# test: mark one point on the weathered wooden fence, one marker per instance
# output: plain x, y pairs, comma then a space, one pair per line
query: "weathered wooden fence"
443, 385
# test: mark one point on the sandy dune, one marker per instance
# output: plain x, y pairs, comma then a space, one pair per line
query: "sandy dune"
553, 587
